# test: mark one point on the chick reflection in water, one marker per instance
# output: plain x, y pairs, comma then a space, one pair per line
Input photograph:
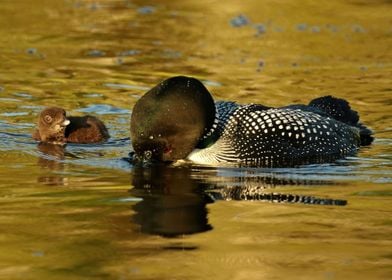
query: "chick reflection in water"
51, 158
173, 203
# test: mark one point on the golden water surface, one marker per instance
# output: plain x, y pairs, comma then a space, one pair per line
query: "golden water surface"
84, 213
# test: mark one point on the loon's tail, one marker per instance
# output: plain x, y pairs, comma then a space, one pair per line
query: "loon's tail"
340, 110
366, 135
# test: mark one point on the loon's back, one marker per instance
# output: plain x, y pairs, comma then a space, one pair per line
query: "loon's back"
324, 130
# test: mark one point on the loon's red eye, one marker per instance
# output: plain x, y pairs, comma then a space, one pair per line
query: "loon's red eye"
167, 150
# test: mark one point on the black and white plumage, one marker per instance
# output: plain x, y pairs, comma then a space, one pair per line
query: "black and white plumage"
253, 134
256, 135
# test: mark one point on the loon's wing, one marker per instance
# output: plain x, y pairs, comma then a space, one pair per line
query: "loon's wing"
284, 136
340, 110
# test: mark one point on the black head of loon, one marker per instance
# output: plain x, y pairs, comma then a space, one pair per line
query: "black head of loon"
170, 119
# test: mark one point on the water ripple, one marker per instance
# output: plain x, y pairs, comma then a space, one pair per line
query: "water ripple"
103, 109
125, 86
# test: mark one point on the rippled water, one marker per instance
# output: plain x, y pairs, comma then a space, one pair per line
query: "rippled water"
83, 212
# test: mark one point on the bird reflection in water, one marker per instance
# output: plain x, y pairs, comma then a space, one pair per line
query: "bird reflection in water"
174, 199
248, 184
172, 203
51, 161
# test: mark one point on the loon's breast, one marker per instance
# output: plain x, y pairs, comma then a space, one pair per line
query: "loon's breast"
261, 136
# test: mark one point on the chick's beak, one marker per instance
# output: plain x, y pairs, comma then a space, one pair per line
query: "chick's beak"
65, 123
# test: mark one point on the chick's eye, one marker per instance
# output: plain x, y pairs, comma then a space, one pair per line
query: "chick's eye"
48, 118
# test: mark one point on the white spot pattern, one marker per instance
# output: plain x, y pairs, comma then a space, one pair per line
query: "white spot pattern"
255, 135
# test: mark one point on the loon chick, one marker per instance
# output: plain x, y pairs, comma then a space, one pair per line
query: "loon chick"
54, 127
178, 119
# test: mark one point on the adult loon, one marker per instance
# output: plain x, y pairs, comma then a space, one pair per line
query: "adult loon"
178, 119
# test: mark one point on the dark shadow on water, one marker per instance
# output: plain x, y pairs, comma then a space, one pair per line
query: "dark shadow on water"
173, 203
174, 199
